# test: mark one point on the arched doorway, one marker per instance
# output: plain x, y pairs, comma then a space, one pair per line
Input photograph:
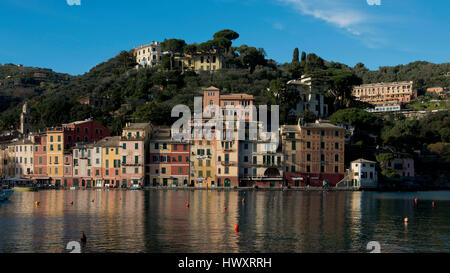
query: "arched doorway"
227, 182
272, 172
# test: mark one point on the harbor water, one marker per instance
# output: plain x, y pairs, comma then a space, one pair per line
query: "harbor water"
269, 221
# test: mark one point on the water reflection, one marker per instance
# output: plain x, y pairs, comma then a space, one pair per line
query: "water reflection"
271, 221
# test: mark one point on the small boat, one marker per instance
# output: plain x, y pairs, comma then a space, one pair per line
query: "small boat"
5, 194
20, 184
25, 188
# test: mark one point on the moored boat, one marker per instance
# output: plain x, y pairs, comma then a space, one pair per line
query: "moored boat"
5, 194
20, 184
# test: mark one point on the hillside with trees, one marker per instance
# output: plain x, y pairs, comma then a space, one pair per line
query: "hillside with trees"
121, 92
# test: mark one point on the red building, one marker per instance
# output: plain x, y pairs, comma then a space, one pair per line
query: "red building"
169, 160
40, 159
83, 131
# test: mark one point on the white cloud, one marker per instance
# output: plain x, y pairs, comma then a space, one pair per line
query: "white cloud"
278, 26
74, 2
374, 2
338, 13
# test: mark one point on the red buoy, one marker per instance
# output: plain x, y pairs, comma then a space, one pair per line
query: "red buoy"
71, 203
432, 204
83, 238
225, 207
187, 204
416, 200
243, 200
236, 228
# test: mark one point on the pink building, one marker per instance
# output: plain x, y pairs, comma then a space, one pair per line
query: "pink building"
67, 170
404, 166
134, 144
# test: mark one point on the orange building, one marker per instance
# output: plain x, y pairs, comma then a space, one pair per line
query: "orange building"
313, 152
385, 93
212, 96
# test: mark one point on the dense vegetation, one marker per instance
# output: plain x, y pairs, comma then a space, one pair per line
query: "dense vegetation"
114, 92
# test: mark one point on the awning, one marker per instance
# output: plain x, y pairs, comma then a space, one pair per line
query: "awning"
41, 178
297, 178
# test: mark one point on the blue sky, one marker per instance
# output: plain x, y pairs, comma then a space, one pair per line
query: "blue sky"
74, 38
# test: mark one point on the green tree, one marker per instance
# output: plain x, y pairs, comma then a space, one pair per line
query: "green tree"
227, 34
341, 86
308, 116
295, 56
173, 46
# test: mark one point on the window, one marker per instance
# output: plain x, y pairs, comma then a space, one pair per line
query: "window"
293, 145
163, 170
308, 145
336, 145
336, 158
124, 146
308, 169
227, 170
180, 170
245, 158
308, 157
136, 170
322, 169
322, 145
336, 169
156, 146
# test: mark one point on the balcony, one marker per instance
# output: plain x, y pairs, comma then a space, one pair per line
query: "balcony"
228, 163
131, 164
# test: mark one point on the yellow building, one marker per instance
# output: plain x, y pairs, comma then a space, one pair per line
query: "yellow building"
55, 154
200, 61
227, 156
148, 55
110, 147
203, 163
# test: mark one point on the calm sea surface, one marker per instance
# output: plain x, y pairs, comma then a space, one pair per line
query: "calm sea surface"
272, 221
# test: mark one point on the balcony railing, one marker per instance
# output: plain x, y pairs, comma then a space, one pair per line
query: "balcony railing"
228, 163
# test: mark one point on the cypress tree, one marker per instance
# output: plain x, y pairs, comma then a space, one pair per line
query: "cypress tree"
295, 56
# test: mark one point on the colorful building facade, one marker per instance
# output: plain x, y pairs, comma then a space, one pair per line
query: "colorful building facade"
169, 160
313, 153
385, 93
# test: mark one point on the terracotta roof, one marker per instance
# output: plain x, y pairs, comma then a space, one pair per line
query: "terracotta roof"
136, 126
109, 142
363, 160
236, 96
